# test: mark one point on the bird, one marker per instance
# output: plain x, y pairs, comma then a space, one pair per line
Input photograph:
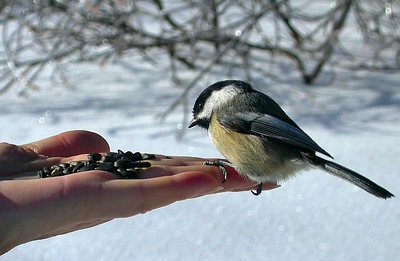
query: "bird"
260, 140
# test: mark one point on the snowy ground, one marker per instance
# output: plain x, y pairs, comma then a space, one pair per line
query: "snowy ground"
312, 217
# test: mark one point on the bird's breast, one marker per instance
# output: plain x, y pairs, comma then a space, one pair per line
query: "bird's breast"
250, 155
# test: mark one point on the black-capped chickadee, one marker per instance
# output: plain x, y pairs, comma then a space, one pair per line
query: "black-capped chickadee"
260, 140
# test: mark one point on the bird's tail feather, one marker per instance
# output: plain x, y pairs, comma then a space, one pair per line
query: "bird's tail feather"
349, 175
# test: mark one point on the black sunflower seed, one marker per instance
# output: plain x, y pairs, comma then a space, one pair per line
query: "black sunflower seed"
124, 163
68, 170
136, 156
64, 165
141, 164
106, 166
87, 167
128, 154
42, 174
74, 163
122, 172
56, 171
78, 166
147, 156
94, 156
117, 156
109, 158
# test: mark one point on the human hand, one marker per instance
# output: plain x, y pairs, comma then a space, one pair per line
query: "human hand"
33, 209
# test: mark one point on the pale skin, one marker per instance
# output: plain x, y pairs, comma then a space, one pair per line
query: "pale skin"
32, 209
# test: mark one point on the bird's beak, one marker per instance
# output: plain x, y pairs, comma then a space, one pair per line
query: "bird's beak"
193, 123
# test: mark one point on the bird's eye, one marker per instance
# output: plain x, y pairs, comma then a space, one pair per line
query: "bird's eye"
200, 105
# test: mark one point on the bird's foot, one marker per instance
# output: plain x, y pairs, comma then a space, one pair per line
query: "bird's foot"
221, 165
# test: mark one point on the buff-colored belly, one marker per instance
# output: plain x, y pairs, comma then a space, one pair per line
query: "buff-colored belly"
250, 157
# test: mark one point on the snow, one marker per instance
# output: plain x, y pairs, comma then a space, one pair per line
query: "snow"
311, 217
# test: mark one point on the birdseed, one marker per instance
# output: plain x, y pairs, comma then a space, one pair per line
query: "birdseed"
127, 165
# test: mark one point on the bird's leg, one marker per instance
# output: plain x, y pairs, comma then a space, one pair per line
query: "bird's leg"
221, 165
258, 190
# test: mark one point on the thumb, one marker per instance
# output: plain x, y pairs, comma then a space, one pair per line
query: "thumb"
69, 143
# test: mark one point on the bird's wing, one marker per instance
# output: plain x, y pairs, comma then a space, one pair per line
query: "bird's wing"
270, 127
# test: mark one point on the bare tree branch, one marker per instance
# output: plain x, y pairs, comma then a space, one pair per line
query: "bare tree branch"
201, 36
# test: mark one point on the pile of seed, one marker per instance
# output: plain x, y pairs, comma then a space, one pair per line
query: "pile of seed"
124, 164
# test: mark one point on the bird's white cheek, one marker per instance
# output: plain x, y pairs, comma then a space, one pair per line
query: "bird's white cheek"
218, 99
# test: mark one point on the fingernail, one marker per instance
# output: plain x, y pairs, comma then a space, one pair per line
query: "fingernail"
271, 186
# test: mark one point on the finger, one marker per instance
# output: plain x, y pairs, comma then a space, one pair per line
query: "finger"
69, 143
181, 158
181, 161
83, 199
130, 197
14, 158
25, 158
234, 182
26, 204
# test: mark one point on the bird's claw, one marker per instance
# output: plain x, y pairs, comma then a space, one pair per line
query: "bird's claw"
258, 190
220, 165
